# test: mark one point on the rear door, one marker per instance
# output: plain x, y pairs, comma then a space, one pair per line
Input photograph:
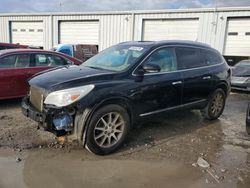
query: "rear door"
195, 73
13, 75
7, 76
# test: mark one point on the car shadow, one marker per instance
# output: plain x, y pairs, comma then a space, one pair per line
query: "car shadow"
166, 126
10, 103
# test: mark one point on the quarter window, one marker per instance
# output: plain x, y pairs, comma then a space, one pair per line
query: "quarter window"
15, 61
7, 62
188, 58
210, 57
165, 58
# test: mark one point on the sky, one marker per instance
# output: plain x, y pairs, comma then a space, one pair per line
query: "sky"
110, 5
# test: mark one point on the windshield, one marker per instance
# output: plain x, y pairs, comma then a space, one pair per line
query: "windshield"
243, 64
117, 58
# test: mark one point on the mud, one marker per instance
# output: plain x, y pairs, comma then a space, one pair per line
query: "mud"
159, 153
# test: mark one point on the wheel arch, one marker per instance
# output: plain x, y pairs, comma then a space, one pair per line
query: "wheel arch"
224, 86
83, 120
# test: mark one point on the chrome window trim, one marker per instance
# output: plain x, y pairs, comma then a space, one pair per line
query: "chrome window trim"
171, 46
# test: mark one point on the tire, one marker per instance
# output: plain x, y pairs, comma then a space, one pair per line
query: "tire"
248, 120
215, 105
107, 130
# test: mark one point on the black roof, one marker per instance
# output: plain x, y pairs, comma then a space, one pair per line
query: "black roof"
167, 42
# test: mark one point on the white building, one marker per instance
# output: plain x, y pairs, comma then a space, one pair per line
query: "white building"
226, 29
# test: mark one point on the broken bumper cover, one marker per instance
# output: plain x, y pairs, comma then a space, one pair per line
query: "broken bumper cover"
31, 112
55, 121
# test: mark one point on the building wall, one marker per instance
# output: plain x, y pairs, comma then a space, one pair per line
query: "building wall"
117, 27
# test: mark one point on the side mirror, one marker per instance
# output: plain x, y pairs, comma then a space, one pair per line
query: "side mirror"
151, 68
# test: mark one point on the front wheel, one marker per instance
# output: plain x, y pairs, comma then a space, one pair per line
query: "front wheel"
215, 106
108, 129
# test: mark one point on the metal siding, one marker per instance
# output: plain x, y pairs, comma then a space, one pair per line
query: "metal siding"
5, 28
118, 26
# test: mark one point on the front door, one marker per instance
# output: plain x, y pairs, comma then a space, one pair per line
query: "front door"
163, 90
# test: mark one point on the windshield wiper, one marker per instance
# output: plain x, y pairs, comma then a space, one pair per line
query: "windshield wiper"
99, 68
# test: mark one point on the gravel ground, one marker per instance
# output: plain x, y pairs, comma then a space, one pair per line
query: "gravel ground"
161, 152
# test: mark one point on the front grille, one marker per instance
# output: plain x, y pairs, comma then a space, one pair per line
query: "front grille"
36, 98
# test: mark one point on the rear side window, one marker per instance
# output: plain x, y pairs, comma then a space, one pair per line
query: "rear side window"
22, 61
7, 62
210, 57
188, 58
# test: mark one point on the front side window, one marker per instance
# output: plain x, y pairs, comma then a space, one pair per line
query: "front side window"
117, 58
188, 58
165, 58
55, 61
41, 60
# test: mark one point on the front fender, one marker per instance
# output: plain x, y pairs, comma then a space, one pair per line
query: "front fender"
83, 117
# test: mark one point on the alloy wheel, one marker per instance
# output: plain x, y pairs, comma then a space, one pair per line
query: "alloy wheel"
217, 104
109, 129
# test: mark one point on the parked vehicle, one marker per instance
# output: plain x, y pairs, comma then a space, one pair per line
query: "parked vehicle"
79, 51
248, 120
4, 46
241, 76
99, 101
18, 65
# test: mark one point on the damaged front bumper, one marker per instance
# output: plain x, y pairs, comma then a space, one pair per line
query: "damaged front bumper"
57, 121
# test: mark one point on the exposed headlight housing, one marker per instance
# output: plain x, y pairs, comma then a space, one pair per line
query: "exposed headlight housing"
66, 97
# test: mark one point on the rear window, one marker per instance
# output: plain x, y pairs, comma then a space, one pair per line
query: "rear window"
188, 58
210, 57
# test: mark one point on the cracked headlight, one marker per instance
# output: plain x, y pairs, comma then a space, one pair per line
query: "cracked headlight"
67, 96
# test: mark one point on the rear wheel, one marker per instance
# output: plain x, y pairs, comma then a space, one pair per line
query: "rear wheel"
108, 129
215, 106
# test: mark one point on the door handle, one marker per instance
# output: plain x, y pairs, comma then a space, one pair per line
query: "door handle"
206, 77
177, 82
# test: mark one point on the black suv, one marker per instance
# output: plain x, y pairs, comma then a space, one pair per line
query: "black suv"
98, 102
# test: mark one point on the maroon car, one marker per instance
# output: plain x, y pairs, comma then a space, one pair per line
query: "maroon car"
4, 46
18, 65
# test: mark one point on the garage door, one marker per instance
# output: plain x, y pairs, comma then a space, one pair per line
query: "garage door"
29, 33
238, 37
182, 29
79, 32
